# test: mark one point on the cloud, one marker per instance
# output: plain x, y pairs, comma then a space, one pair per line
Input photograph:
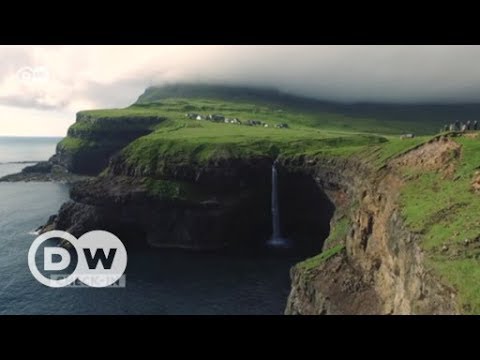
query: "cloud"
32, 102
16, 121
114, 76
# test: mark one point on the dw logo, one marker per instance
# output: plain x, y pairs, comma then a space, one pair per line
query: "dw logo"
101, 259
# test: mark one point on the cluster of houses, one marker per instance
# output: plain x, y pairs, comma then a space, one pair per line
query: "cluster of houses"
459, 126
226, 120
456, 126
216, 118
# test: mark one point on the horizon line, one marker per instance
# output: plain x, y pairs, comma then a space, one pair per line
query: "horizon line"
31, 136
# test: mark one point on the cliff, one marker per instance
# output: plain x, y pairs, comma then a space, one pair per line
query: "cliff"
371, 263
389, 224
205, 215
97, 135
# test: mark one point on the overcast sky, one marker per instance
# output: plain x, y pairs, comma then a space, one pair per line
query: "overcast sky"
42, 87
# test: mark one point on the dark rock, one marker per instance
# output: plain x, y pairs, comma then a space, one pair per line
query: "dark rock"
42, 167
223, 174
44, 173
49, 225
123, 206
52, 219
92, 159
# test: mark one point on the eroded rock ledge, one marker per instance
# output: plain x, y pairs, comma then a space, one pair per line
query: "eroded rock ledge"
376, 264
198, 208
378, 267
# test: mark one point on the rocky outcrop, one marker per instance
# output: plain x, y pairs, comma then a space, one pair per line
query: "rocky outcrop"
203, 218
225, 203
440, 154
87, 161
334, 288
44, 171
382, 269
42, 167
92, 140
226, 174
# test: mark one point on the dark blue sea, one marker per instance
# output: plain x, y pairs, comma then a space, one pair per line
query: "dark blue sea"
157, 282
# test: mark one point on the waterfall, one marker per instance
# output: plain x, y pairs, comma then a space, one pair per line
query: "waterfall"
276, 240
275, 209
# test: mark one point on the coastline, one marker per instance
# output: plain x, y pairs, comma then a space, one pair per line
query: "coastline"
44, 172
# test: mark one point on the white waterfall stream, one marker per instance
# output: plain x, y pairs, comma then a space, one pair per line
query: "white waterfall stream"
276, 240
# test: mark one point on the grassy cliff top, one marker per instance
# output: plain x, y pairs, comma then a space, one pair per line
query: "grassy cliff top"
314, 126
443, 206
440, 206
173, 133
423, 118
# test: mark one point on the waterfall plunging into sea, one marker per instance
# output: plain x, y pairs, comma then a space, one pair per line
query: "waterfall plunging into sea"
276, 240
275, 209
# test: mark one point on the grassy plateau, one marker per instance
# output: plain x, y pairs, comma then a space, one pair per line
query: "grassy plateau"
443, 210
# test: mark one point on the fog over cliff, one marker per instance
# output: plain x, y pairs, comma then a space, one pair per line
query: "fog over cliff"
60, 80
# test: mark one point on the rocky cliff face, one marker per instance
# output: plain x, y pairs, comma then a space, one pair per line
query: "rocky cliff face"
381, 269
220, 174
222, 203
91, 141
219, 205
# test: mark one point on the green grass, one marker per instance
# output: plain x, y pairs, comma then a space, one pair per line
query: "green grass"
334, 244
379, 118
379, 155
339, 232
164, 189
210, 141
442, 210
446, 212
464, 274
272, 114
109, 129
104, 124
181, 140
73, 144
178, 139
177, 190
316, 261
121, 114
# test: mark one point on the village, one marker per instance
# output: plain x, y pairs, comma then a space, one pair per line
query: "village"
459, 126
236, 121
456, 126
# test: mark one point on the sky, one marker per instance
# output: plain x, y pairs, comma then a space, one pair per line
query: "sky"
42, 87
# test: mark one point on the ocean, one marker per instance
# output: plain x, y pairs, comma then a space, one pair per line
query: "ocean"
157, 281
16, 151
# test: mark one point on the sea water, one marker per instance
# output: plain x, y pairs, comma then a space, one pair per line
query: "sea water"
157, 281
